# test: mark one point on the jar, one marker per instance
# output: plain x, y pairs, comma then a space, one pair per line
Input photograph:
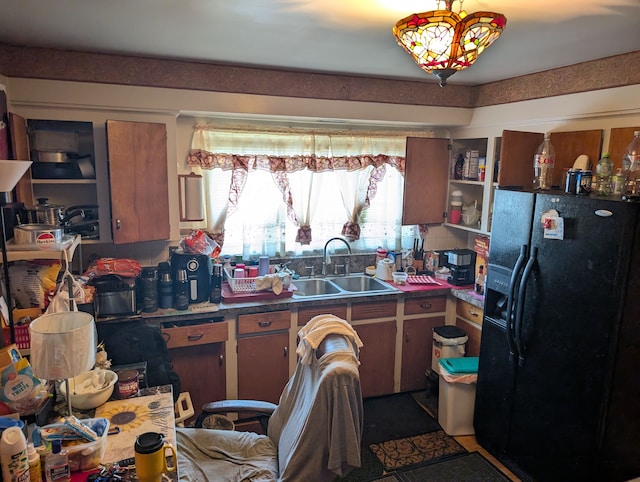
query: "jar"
149, 286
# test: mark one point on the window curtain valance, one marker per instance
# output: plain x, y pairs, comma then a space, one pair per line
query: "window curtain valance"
295, 158
293, 151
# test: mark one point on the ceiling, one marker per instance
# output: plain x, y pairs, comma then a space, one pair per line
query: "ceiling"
333, 36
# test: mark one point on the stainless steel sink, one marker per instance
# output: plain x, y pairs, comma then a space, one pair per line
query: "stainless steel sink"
315, 287
346, 285
360, 283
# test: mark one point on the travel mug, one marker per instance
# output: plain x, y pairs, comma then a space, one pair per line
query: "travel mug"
150, 457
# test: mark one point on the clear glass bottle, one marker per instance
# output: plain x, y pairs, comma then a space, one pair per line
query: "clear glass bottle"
632, 155
543, 163
604, 171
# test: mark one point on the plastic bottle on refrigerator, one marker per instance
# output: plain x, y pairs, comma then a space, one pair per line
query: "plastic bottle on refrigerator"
604, 171
543, 163
632, 156
13, 455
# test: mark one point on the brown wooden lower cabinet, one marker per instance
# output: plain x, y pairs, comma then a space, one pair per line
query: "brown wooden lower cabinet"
417, 347
377, 357
263, 366
202, 372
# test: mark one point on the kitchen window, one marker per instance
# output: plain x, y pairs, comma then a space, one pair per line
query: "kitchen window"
286, 192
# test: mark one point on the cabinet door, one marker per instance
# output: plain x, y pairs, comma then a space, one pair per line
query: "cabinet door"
263, 366
516, 158
377, 357
138, 181
425, 180
202, 371
569, 145
20, 150
417, 347
620, 138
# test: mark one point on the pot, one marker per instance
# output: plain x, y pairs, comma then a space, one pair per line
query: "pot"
39, 234
47, 213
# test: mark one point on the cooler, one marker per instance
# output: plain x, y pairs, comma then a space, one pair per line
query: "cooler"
457, 394
448, 342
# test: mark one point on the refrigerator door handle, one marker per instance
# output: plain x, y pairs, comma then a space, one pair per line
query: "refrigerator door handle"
520, 309
511, 298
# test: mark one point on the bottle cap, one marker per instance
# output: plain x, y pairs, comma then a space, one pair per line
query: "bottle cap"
56, 446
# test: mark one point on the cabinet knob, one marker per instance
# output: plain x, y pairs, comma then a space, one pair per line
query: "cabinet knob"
118, 224
221, 360
286, 351
195, 337
473, 313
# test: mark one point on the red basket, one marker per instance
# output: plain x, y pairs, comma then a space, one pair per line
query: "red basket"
21, 333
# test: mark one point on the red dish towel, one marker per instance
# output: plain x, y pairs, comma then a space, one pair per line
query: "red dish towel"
423, 280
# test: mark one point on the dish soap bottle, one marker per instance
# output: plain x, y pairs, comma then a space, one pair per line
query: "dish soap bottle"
56, 464
543, 163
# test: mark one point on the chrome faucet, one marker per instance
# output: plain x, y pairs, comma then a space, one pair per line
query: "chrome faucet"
324, 253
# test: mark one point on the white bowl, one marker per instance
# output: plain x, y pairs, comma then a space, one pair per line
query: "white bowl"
92, 399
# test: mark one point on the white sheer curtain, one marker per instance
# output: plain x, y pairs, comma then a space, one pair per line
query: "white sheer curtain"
310, 172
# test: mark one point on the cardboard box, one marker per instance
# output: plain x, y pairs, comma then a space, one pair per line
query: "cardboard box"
481, 247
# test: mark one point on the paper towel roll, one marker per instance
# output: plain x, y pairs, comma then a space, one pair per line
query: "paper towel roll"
191, 195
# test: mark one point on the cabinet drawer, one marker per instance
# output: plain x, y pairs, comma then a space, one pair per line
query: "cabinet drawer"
376, 309
262, 322
196, 334
418, 306
468, 311
305, 314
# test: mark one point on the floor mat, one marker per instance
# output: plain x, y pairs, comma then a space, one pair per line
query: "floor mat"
393, 417
470, 467
405, 452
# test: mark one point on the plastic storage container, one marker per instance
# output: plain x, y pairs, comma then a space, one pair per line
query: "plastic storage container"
457, 394
448, 342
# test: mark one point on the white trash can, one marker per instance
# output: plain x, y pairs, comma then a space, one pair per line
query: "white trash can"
448, 342
457, 394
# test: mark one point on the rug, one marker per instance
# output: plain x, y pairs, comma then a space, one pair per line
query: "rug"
410, 451
390, 417
469, 467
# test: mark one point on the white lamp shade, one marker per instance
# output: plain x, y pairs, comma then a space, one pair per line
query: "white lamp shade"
11, 172
63, 345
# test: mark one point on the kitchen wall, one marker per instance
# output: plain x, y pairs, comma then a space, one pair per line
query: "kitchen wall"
180, 109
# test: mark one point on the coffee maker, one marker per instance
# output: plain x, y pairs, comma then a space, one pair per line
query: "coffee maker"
198, 268
462, 266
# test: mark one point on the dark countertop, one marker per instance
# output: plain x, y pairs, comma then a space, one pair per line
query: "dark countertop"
200, 311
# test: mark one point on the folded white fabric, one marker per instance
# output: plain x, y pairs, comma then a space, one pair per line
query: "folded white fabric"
317, 328
271, 282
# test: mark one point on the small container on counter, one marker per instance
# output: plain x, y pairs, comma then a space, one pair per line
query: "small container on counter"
181, 290
216, 284
165, 289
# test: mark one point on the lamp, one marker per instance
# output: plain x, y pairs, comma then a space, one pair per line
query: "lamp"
10, 173
63, 345
442, 42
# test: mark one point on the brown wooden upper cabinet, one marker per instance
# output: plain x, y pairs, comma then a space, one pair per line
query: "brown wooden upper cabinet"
425, 181
518, 148
620, 138
138, 181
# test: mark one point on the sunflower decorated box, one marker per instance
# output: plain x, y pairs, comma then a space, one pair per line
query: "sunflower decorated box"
131, 417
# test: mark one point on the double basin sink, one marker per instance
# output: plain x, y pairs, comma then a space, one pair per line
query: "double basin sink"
339, 285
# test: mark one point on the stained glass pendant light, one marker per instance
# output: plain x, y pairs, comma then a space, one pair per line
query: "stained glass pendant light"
442, 42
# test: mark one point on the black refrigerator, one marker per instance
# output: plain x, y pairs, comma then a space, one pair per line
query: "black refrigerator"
558, 391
